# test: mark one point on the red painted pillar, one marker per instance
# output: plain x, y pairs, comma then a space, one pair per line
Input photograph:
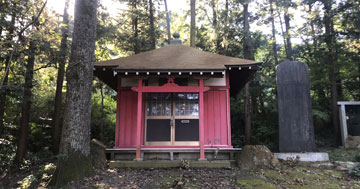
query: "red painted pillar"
117, 128
202, 117
228, 117
138, 121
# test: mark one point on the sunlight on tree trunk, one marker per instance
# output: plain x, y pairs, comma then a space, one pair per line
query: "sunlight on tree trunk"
331, 59
26, 106
247, 55
56, 130
4, 81
192, 24
74, 159
167, 22
152, 27
273, 32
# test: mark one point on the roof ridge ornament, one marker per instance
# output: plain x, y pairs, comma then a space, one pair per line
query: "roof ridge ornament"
176, 40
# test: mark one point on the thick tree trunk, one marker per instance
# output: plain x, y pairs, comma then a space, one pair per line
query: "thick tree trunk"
152, 27
167, 22
26, 105
287, 35
74, 159
247, 55
331, 59
56, 129
273, 33
192, 24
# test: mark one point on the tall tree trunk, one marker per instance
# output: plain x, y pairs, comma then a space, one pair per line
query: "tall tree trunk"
152, 27
247, 55
135, 26
74, 161
192, 24
226, 29
167, 22
282, 29
5, 78
287, 35
331, 59
273, 33
56, 129
215, 25
26, 105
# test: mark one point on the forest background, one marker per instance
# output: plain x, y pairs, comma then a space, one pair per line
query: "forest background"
35, 43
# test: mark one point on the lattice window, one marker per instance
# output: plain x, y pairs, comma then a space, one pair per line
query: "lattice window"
186, 104
158, 104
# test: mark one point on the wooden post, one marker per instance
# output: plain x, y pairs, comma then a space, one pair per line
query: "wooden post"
117, 128
228, 115
138, 122
343, 124
201, 103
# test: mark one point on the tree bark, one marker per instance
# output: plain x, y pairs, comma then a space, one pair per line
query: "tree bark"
74, 160
26, 105
215, 25
167, 22
331, 59
135, 26
287, 35
152, 27
192, 24
273, 33
247, 55
56, 130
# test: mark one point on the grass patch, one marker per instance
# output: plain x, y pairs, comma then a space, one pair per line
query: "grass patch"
344, 154
254, 183
304, 177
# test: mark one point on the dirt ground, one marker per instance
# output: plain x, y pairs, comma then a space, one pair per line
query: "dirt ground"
299, 176
284, 177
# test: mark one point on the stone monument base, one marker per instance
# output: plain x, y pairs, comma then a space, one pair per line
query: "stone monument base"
306, 157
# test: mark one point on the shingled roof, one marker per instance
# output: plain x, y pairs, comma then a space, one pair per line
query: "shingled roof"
174, 57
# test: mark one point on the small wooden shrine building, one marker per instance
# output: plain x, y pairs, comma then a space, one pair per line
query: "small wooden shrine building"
174, 97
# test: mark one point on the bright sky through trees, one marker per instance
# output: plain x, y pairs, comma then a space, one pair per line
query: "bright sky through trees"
180, 6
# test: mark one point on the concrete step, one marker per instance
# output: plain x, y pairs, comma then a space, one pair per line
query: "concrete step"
169, 164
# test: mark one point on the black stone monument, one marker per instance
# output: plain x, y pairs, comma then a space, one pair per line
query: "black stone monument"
296, 129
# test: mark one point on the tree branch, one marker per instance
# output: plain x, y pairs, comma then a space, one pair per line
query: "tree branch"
33, 20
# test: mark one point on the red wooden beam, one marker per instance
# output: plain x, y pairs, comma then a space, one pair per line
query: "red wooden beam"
202, 117
228, 109
117, 128
138, 122
170, 87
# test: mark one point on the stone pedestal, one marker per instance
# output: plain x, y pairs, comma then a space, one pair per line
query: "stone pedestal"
296, 129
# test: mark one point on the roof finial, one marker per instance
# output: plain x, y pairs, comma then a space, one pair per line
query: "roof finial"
176, 35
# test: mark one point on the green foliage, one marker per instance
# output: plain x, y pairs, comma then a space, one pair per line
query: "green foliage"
344, 154
103, 116
7, 154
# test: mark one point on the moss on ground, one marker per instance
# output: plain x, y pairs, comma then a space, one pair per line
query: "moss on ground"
254, 183
306, 177
344, 154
